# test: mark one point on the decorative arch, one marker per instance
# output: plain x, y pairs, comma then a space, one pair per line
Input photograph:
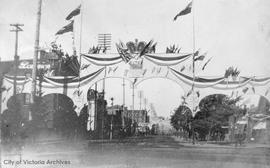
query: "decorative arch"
137, 67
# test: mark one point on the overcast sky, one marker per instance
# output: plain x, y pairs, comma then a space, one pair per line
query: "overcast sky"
235, 32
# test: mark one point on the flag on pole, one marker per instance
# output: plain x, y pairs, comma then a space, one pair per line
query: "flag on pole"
123, 53
200, 58
253, 89
245, 90
65, 29
206, 63
186, 11
75, 12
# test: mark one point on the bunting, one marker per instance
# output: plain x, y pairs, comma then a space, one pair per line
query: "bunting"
103, 59
220, 83
198, 82
169, 60
72, 82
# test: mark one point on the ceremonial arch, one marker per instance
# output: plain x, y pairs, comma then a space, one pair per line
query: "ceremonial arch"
137, 62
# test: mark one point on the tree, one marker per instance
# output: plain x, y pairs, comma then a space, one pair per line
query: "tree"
215, 111
83, 119
181, 118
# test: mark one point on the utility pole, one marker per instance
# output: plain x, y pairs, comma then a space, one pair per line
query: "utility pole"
17, 29
104, 41
133, 108
123, 109
145, 103
34, 72
140, 97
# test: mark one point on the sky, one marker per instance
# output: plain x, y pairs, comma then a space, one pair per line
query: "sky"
233, 32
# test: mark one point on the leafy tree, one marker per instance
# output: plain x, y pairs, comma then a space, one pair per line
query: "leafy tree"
38, 110
215, 111
181, 118
82, 122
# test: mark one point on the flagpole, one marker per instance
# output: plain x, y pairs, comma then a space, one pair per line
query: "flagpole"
73, 40
80, 48
193, 67
124, 94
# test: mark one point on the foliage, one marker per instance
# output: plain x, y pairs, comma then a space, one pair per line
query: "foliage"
173, 49
215, 111
231, 71
38, 109
95, 50
201, 126
181, 118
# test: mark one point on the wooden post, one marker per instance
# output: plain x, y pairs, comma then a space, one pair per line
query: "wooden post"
34, 72
124, 97
17, 29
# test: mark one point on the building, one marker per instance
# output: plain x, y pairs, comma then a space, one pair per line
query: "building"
138, 116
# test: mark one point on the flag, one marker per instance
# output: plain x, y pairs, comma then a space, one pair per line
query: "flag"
115, 69
232, 94
245, 90
159, 69
84, 66
75, 12
123, 53
147, 46
197, 53
200, 58
253, 89
65, 29
144, 72
183, 68
189, 93
186, 11
206, 63
198, 94
110, 69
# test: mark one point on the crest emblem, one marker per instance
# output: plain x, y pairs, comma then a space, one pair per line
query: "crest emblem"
134, 50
